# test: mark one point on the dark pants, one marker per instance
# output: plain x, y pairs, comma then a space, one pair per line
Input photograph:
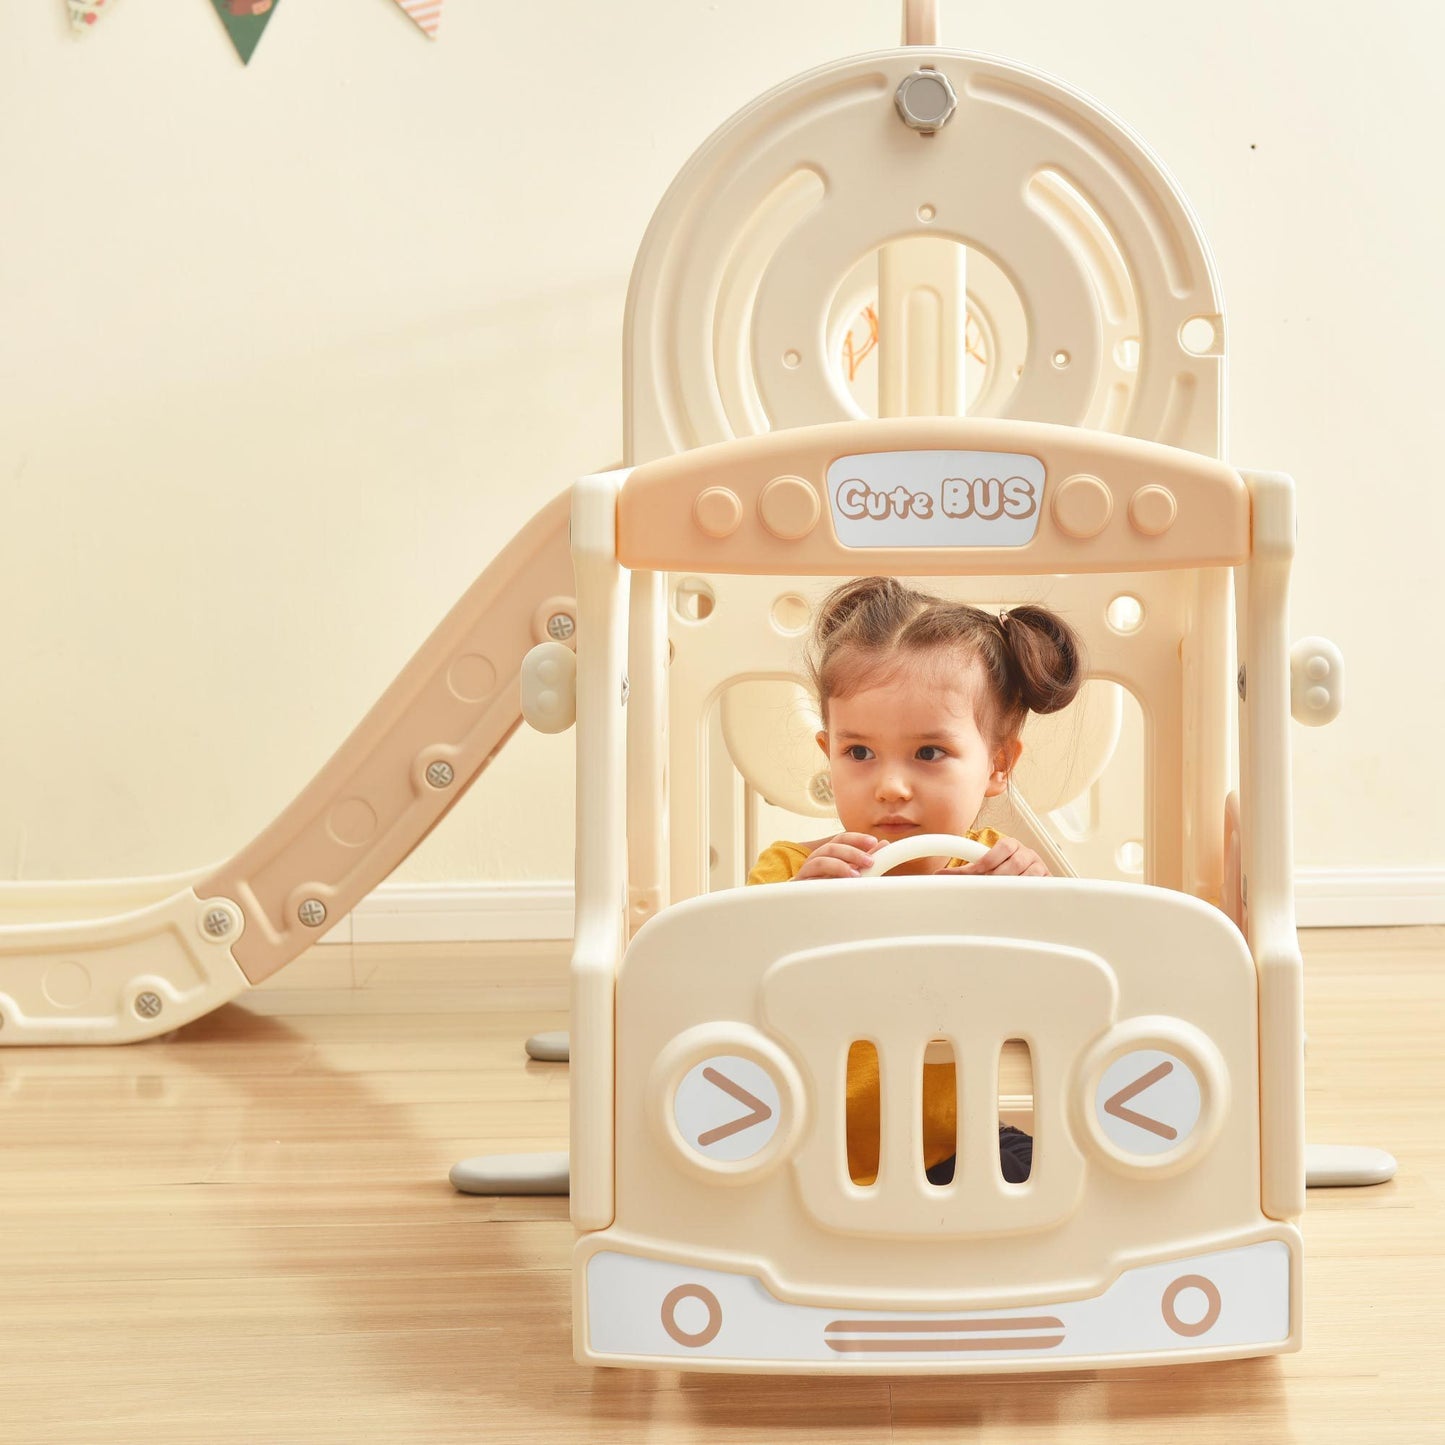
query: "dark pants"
1015, 1157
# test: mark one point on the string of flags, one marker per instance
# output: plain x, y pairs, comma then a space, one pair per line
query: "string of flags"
246, 20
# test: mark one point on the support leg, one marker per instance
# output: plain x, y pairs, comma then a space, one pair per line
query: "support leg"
511, 1174
550, 1048
519, 1173
1329, 1166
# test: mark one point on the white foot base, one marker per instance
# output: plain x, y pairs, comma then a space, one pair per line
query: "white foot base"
552, 1048
511, 1174
1331, 1166
1327, 1166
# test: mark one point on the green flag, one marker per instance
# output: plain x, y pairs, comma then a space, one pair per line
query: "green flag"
244, 21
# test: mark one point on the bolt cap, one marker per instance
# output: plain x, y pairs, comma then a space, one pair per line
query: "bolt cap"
925, 100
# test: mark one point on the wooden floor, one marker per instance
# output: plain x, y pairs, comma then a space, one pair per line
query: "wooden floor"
244, 1233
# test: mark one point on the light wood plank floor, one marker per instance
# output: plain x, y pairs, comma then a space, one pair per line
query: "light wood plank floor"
244, 1233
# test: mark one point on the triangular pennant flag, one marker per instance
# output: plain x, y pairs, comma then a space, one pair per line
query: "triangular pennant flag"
244, 21
426, 13
85, 13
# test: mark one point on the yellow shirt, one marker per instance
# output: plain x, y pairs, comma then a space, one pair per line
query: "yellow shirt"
779, 864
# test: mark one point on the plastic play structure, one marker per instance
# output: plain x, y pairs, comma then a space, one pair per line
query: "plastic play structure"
1033, 266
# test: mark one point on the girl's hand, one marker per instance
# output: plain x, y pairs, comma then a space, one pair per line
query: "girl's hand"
1008, 858
845, 856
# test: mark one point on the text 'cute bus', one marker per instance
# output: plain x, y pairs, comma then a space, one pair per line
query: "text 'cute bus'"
986, 498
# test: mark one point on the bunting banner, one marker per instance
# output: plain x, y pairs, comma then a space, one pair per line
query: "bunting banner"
426, 13
245, 21
85, 13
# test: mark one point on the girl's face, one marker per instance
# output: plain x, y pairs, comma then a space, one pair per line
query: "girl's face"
907, 756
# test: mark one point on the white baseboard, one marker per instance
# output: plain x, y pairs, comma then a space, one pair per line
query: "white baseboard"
458, 913
1369, 897
507, 912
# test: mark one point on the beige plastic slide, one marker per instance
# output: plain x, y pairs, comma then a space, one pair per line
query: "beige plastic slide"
188, 943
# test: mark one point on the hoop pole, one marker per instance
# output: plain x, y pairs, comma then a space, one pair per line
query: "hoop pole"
920, 22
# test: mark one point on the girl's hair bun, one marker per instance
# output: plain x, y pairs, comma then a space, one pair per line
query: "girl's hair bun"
1046, 663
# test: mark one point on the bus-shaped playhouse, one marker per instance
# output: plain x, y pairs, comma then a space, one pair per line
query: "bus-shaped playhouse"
1049, 408
718, 1223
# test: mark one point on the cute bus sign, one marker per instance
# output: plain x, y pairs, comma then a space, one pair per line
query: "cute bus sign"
936, 499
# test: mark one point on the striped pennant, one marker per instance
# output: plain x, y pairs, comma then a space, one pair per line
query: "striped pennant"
426, 13
85, 13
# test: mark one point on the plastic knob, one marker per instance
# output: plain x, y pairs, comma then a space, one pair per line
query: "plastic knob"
1152, 510
717, 512
1316, 681
549, 687
789, 508
1082, 507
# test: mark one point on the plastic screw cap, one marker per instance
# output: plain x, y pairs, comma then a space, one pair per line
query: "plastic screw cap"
220, 920
718, 512
925, 100
555, 619
789, 508
1082, 507
1152, 510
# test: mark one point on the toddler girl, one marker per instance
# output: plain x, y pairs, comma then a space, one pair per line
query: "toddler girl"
922, 702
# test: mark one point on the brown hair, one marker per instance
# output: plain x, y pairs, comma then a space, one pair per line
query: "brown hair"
1032, 660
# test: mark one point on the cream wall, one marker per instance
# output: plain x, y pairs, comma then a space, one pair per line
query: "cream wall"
290, 351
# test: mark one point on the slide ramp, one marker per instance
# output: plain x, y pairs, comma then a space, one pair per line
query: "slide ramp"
154, 963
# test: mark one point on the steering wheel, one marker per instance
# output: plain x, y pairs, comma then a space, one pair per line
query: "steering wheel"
925, 845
